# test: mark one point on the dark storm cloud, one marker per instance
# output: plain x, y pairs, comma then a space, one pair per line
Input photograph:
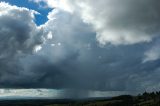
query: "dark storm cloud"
18, 36
80, 63
72, 58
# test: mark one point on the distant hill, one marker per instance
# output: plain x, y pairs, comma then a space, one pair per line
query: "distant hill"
145, 99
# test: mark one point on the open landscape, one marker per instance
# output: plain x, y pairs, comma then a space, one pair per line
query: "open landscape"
79, 52
145, 99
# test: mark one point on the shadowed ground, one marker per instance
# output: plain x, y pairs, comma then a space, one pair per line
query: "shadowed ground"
145, 99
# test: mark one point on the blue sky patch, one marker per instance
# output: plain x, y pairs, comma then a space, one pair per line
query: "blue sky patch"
39, 19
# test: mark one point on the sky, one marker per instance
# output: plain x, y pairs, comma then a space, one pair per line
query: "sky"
80, 45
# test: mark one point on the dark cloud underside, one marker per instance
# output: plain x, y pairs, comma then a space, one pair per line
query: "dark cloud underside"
91, 49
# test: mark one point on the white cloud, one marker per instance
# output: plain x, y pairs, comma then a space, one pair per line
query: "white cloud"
17, 28
37, 48
152, 54
49, 36
115, 22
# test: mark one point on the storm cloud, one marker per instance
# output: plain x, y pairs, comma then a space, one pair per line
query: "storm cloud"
88, 45
19, 35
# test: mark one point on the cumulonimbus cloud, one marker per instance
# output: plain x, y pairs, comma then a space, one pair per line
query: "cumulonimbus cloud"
70, 56
19, 35
116, 21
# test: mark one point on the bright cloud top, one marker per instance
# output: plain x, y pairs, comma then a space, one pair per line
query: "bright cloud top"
115, 22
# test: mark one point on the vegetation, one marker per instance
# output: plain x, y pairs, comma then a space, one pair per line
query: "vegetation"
145, 99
